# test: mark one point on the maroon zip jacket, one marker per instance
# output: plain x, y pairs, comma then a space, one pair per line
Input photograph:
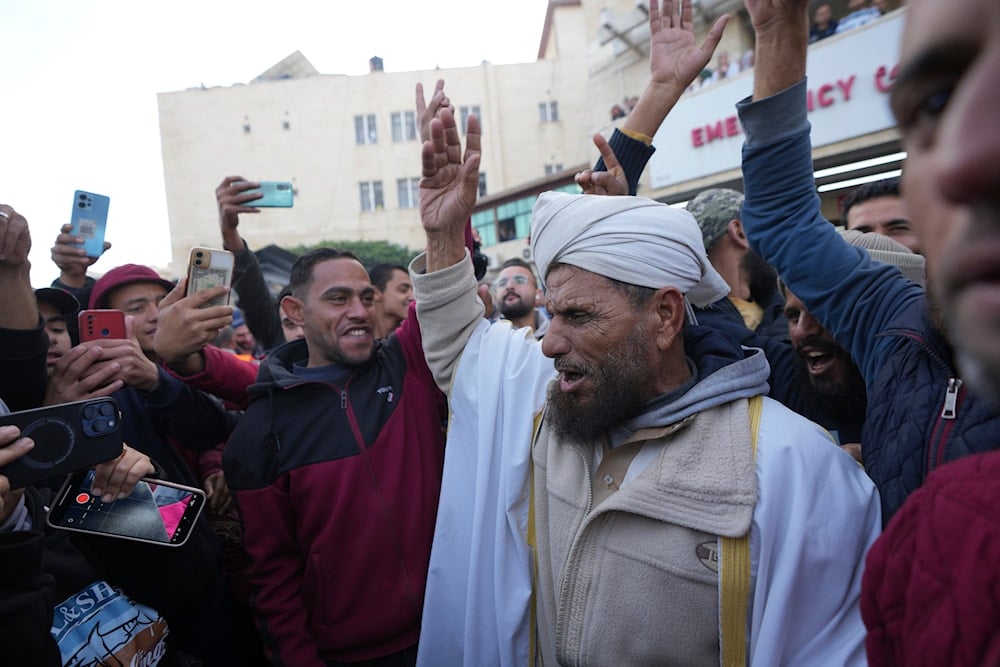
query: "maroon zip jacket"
931, 589
337, 488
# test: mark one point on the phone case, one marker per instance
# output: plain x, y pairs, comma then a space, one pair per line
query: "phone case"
101, 324
90, 218
274, 194
207, 268
68, 437
156, 512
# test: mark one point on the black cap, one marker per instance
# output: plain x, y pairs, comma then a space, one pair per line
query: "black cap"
65, 303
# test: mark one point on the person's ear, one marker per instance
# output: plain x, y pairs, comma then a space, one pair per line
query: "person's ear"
735, 232
294, 309
669, 313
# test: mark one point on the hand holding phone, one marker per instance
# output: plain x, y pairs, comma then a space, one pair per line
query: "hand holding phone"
101, 324
207, 268
68, 437
89, 220
273, 194
156, 512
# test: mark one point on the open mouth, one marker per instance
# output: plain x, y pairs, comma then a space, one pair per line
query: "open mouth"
357, 332
817, 361
571, 378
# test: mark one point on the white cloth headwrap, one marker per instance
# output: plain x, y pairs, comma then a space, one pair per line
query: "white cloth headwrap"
630, 239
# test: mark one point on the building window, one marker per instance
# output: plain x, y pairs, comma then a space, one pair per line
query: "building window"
404, 126
371, 195
463, 117
482, 184
364, 130
548, 112
409, 192
485, 223
553, 169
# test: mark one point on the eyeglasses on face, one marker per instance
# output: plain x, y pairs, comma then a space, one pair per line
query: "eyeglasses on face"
517, 280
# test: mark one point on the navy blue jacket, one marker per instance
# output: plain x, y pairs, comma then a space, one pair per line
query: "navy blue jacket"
919, 414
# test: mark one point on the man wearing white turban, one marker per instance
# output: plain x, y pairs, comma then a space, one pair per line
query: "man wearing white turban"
621, 492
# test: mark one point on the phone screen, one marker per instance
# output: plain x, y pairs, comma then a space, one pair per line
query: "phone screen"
153, 512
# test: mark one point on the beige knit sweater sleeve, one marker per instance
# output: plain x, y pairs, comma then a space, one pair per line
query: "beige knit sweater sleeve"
448, 310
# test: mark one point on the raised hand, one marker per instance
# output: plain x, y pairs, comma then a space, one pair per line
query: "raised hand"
675, 58
232, 200
183, 327
68, 254
449, 187
79, 375
766, 15
611, 182
426, 111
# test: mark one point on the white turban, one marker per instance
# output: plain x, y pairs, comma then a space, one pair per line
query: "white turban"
630, 239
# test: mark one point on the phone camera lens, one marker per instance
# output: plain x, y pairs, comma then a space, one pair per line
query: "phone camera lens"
89, 412
106, 409
105, 332
199, 254
100, 426
81, 204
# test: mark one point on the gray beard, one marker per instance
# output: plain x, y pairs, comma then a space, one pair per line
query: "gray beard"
622, 388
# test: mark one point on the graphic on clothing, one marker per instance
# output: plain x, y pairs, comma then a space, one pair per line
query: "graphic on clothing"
100, 625
151, 512
708, 554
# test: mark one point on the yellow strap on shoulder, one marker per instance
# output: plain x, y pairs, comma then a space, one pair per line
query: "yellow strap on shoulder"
534, 656
735, 575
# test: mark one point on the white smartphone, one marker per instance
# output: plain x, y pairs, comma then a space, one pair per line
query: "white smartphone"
208, 267
156, 512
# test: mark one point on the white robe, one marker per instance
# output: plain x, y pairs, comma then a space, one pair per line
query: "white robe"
816, 516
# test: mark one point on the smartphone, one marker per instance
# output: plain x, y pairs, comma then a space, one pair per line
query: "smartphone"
101, 324
274, 194
90, 218
208, 268
68, 437
156, 512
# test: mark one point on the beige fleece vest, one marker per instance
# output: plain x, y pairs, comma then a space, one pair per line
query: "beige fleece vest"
634, 579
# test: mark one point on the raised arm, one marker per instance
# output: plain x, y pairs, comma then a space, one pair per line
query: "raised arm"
675, 60
782, 29
254, 297
853, 297
22, 338
448, 188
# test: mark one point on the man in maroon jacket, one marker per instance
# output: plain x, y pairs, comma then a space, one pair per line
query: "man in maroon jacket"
336, 469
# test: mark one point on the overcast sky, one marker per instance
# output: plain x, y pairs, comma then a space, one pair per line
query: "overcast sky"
80, 78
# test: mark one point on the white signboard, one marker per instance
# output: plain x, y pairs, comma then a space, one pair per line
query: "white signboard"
849, 78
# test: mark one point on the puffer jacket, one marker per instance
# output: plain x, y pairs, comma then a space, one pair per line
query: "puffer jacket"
930, 594
920, 413
869, 307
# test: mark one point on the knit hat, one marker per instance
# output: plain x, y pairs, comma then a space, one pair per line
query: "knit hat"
713, 209
126, 274
884, 249
64, 302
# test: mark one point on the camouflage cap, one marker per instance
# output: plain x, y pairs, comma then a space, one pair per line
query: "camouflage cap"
713, 209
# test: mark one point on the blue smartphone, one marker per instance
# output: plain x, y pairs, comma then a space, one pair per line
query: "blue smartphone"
90, 218
274, 194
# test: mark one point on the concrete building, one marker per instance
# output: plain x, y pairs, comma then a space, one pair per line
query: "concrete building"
349, 144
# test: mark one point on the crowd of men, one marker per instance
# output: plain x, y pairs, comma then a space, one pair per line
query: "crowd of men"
725, 434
